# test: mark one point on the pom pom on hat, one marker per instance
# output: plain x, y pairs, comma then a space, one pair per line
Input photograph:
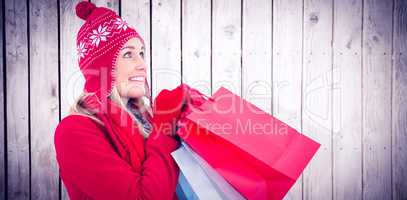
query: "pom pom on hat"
84, 9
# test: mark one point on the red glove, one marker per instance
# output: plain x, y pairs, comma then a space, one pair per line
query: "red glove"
168, 106
195, 99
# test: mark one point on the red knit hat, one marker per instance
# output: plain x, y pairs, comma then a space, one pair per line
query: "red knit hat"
99, 41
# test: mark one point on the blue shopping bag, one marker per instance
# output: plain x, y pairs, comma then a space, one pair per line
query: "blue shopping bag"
184, 190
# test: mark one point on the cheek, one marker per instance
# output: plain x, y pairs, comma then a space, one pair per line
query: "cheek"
121, 72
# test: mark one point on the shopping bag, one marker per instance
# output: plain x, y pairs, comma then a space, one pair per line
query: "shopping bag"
198, 180
222, 186
259, 155
184, 190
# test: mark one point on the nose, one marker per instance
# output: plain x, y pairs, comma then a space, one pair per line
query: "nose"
141, 66
139, 63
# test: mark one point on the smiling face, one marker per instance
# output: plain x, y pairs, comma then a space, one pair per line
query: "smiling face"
131, 70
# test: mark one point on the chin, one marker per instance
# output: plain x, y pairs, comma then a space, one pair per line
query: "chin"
132, 91
136, 93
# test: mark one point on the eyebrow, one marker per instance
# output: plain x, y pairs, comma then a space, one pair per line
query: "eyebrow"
132, 47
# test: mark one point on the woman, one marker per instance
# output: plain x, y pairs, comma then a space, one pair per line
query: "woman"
113, 145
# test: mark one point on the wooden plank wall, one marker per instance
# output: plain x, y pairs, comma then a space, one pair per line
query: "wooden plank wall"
376, 82
334, 69
347, 104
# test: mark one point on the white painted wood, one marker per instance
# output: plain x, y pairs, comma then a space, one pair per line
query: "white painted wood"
137, 14
287, 69
111, 4
256, 53
347, 100
226, 45
44, 114
196, 44
317, 96
71, 77
17, 100
377, 35
3, 161
166, 45
399, 104
346, 92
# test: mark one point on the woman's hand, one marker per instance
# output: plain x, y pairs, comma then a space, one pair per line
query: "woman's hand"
167, 108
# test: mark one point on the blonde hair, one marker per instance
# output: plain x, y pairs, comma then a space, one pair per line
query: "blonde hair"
141, 106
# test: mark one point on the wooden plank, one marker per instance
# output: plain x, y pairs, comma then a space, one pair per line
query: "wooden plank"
71, 78
399, 104
287, 69
3, 142
317, 96
166, 45
137, 14
347, 100
18, 151
377, 34
196, 44
44, 113
256, 53
226, 45
111, 4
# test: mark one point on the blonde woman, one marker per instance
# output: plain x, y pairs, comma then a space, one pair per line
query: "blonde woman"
113, 145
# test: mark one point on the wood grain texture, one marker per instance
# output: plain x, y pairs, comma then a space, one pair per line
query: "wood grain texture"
196, 53
71, 78
18, 151
226, 45
166, 45
333, 69
111, 4
377, 35
3, 161
399, 103
287, 69
347, 100
44, 112
317, 96
256, 53
137, 14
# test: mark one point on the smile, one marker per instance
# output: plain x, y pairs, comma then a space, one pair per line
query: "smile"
137, 78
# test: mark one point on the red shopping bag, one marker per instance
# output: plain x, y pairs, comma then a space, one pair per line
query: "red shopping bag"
259, 155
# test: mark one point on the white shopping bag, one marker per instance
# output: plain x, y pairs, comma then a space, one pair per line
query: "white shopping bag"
198, 180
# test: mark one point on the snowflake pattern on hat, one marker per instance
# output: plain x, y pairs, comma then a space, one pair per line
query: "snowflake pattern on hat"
81, 50
102, 33
98, 35
121, 24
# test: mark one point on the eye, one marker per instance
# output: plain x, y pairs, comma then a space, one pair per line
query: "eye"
127, 54
142, 54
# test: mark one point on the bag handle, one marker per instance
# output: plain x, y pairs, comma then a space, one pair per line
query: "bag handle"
201, 94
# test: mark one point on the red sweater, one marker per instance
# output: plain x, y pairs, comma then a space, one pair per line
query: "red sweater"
90, 168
